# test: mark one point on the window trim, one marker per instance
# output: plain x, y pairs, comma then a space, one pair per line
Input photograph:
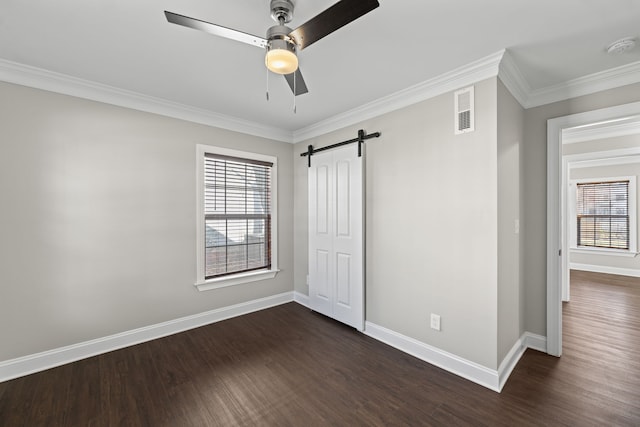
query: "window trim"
201, 283
633, 232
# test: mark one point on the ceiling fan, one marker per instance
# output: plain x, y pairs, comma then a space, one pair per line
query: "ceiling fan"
281, 42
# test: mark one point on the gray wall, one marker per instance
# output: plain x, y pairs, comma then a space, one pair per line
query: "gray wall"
431, 223
510, 303
534, 175
97, 226
97, 232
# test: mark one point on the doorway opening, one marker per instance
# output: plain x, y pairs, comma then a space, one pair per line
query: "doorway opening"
587, 126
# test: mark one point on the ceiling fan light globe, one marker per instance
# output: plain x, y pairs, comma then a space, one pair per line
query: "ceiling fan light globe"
281, 57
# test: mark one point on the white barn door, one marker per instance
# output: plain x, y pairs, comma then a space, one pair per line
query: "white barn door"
336, 235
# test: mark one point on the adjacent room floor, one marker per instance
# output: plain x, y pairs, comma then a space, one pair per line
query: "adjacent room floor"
289, 366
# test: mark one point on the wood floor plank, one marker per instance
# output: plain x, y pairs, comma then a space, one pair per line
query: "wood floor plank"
288, 366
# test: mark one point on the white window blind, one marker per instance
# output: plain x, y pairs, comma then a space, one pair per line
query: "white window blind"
602, 210
237, 215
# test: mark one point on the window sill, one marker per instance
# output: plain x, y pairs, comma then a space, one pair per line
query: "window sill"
603, 251
236, 279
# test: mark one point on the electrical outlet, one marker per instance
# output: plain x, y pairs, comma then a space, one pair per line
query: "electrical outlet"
435, 322
517, 226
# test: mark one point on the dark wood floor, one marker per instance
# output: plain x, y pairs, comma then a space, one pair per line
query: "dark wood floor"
287, 366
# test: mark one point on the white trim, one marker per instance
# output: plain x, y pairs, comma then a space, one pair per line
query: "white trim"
605, 269
592, 83
489, 378
13, 72
528, 97
602, 251
449, 362
466, 75
556, 182
494, 380
510, 361
25, 75
555, 262
498, 64
236, 279
301, 299
527, 340
30, 364
535, 341
201, 283
514, 80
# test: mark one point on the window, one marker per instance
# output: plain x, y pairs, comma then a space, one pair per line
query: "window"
602, 213
236, 217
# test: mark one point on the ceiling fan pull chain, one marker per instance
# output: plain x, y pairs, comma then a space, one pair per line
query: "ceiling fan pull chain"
294, 93
267, 84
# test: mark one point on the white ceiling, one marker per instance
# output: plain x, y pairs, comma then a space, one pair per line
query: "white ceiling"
129, 45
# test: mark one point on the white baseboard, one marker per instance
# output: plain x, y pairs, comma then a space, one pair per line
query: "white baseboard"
605, 269
30, 364
301, 299
449, 362
510, 361
489, 378
535, 341
479, 374
527, 340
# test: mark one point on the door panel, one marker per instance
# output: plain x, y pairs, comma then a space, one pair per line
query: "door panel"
322, 263
343, 279
343, 205
322, 199
336, 236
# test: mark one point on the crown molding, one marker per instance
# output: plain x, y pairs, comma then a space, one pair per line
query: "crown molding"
528, 97
514, 80
473, 72
592, 83
25, 75
499, 64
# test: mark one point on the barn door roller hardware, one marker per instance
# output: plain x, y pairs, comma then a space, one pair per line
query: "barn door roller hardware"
362, 137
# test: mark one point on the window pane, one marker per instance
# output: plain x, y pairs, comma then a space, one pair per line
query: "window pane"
603, 214
237, 215
586, 231
215, 263
216, 233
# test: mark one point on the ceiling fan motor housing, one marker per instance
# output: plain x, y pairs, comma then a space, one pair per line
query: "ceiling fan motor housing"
279, 32
278, 37
282, 11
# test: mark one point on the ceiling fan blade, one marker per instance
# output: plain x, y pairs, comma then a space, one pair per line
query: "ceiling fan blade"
337, 16
214, 29
300, 85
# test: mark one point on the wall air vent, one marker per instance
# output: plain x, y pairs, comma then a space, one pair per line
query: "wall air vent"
464, 114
